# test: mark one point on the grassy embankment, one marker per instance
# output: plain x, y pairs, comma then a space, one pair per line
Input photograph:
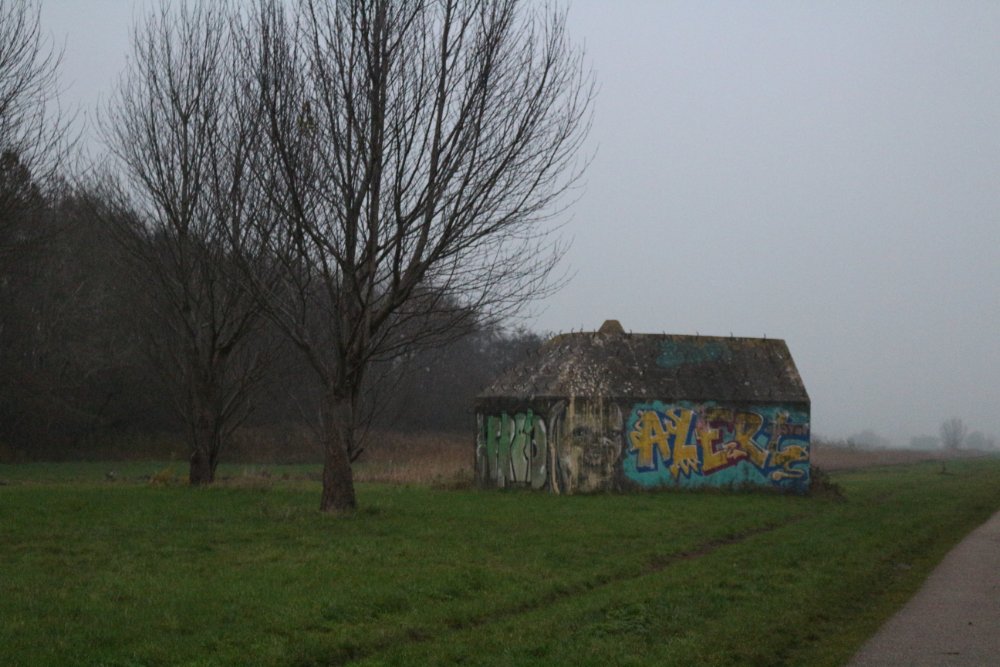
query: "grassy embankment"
99, 572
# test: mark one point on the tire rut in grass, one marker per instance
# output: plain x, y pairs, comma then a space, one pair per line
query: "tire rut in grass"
656, 564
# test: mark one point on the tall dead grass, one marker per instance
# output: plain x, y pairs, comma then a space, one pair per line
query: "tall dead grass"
390, 457
446, 459
393, 457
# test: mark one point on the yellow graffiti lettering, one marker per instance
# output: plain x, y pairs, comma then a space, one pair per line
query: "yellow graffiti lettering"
786, 458
711, 460
685, 455
729, 452
647, 434
776, 428
745, 427
668, 437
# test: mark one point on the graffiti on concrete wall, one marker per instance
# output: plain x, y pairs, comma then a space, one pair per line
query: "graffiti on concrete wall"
691, 445
589, 446
512, 449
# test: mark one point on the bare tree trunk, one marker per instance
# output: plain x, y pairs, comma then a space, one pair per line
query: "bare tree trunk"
338, 478
202, 468
206, 441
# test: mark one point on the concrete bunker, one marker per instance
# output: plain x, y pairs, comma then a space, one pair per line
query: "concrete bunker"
613, 411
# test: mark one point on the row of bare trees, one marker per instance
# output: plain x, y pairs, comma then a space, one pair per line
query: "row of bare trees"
34, 141
79, 377
358, 180
955, 434
82, 376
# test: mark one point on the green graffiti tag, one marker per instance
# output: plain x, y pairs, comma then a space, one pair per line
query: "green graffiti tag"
513, 449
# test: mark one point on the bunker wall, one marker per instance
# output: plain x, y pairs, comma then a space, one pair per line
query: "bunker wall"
576, 445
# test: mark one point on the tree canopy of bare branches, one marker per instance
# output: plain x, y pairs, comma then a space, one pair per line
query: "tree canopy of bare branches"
413, 156
953, 432
176, 128
33, 134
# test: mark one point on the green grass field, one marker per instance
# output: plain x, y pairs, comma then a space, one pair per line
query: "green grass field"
129, 573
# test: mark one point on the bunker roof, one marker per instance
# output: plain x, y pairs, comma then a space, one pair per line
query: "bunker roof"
610, 363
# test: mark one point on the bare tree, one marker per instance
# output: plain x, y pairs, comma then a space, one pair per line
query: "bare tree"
417, 152
953, 431
33, 133
182, 133
980, 441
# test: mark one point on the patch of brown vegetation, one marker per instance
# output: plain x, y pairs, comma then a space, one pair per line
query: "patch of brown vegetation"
831, 456
394, 457
285, 444
445, 459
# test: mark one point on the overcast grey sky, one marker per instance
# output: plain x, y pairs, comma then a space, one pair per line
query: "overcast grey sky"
823, 172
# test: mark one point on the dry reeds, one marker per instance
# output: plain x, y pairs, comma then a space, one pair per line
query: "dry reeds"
444, 459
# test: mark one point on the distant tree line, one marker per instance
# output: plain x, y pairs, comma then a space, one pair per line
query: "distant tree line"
318, 213
79, 366
953, 434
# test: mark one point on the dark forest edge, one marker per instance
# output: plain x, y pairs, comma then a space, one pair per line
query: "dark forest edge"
78, 381
78, 384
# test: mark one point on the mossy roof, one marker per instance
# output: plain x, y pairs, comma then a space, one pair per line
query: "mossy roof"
613, 364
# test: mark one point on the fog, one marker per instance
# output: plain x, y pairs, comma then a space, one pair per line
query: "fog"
825, 173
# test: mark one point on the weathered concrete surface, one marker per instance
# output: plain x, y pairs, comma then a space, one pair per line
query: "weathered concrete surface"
666, 367
955, 618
